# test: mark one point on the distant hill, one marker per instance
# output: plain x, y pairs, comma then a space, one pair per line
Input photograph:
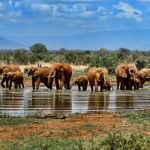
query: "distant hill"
11, 45
111, 40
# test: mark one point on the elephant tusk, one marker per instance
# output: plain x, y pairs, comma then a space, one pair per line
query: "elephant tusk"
52, 76
104, 77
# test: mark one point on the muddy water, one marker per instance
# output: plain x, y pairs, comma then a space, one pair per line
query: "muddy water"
24, 102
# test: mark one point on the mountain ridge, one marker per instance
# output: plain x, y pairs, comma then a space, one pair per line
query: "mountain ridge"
112, 40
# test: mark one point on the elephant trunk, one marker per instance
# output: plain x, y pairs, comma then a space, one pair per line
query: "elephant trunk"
51, 75
71, 84
105, 80
131, 71
26, 70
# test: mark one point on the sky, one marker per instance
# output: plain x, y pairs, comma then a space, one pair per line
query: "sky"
22, 18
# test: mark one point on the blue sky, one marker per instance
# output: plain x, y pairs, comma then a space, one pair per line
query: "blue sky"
71, 17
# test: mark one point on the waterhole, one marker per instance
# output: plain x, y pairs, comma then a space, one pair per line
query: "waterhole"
26, 102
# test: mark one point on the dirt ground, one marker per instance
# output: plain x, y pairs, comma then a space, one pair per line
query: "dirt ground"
75, 126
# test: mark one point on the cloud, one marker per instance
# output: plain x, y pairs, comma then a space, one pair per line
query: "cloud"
1, 7
128, 11
40, 7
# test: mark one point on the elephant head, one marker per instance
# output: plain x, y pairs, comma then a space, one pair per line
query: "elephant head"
32, 71
76, 80
124, 69
101, 75
54, 71
4, 69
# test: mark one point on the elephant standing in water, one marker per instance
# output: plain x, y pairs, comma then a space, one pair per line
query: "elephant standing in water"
81, 81
4, 69
39, 74
144, 75
17, 78
98, 77
62, 73
123, 74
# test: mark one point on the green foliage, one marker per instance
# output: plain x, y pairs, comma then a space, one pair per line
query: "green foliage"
39, 51
137, 117
7, 121
117, 142
99, 58
21, 56
114, 141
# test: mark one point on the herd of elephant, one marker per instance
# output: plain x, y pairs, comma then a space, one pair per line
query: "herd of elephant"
127, 77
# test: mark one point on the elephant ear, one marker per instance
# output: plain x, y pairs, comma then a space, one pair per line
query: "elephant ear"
100, 69
10, 74
36, 72
122, 71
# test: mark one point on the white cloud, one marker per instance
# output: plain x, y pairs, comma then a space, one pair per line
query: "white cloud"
10, 2
40, 7
1, 6
14, 16
128, 11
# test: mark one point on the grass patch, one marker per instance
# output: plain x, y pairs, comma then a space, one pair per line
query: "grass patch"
15, 121
111, 142
137, 117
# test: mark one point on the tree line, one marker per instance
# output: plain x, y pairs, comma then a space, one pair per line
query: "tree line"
102, 57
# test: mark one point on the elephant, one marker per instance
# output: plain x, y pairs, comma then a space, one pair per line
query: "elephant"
4, 69
144, 75
81, 81
135, 81
98, 77
17, 78
123, 74
62, 73
109, 85
39, 74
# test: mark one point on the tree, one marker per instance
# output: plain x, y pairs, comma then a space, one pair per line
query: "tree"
21, 56
39, 51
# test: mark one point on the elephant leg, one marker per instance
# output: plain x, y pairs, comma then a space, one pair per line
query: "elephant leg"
3, 80
22, 85
91, 87
51, 83
122, 86
33, 82
79, 88
62, 81
19, 86
37, 82
10, 84
57, 83
102, 87
117, 83
7, 82
96, 86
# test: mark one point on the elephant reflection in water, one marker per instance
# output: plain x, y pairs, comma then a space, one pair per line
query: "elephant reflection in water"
98, 101
57, 100
124, 102
12, 103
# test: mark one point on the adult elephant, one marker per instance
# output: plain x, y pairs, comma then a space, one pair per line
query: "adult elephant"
98, 77
4, 69
81, 81
39, 74
123, 75
17, 78
62, 73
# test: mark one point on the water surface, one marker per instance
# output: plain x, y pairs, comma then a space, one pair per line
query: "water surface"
24, 102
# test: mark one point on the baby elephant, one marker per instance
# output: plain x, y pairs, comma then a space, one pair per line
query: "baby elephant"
81, 81
17, 78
